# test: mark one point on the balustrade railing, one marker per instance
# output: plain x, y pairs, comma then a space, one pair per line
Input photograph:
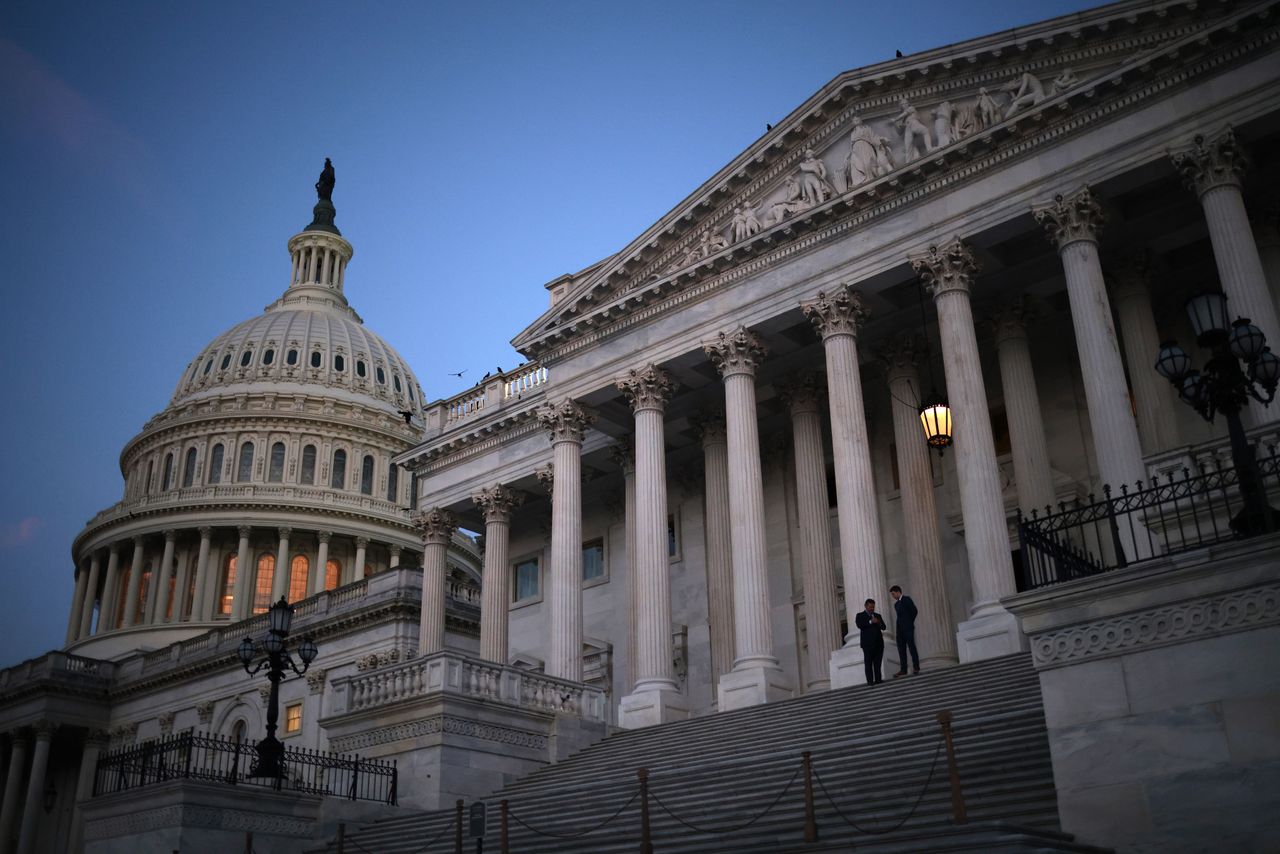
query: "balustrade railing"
490, 393
306, 496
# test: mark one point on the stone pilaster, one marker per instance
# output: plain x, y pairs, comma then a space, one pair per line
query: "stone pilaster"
158, 600
436, 527
656, 697
947, 272
1022, 406
1153, 396
320, 572
181, 588
362, 550
110, 590
837, 317
926, 579
624, 454
715, 456
280, 581
242, 590
496, 503
77, 603
201, 609
91, 594
567, 423
756, 676
135, 582
35, 789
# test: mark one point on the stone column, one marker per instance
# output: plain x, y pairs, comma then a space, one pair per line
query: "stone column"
1022, 407
567, 423
158, 599
77, 604
91, 594
656, 697
715, 457
110, 590
926, 578
243, 589
837, 318
182, 571
201, 608
624, 454
990, 631
357, 571
280, 581
1072, 223
320, 571
135, 583
19, 741
496, 503
1266, 235
1213, 168
1153, 396
756, 676
394, 559
93, 745
437, 527
35, 789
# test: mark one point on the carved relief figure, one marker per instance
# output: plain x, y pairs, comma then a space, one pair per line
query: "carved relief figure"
790, 202
912, 128
1026, 91
1064, 81
865, 162
750, 222
987, 109
884, 157
943, 131
814, 187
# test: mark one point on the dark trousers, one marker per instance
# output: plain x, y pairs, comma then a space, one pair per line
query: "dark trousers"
907, 640
872, 656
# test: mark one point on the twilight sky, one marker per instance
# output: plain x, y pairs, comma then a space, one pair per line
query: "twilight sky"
156, 156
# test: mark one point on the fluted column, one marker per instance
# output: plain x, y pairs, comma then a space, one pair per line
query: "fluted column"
756, 676
1030, 450
1266, 235
496, 503
926, 579
158, 595
19, 742
1213, 169
135, 582
110, 590
320, 571
362, 546
1072, 223
567, 422
947, 272
35, 789
1153, 397
624, 454
837, 317
436, 526
715, 457
183, 574
656, 697
93, 745
242, 590
201, 608
91, 594
817, 566
280, 581
77, 604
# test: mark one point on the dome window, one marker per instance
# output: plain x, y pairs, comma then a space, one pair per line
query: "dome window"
366, 475
268, 357
339, 478
215, 464
393, 482
316, 359
275, 473
168, 472
226, 362
411, 391
244, 472
339, 363
245, 358
308, 474
189, 468
361, 370
382, 377
395, 379
291, 358
208, 366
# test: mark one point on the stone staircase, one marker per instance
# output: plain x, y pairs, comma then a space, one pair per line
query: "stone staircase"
878, 764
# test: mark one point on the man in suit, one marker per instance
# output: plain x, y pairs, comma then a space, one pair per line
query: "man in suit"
871, 639
905, 612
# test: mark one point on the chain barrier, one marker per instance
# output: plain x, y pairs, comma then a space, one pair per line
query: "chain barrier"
552, 835
735, 828
927, 783
349, 840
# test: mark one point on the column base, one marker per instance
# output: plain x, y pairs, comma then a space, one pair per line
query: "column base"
990, 632
752, 684
847, 669
651, 706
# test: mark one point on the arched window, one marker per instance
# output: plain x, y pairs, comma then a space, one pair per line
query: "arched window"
316, 359
207, 366
228, 586
226, 362
237, 732
245, 358
168, 473
189, 468
395, 380
332, 574
215, 464
339, 479
410, 391
381, 375
268, 357
262, 584
366, 475
393, 482
244, 471
275, 474
151, 470
339, 363
122, 596
361, 370
308, 465
291, 358
299, 568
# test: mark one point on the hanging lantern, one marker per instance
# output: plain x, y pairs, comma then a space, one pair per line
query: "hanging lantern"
935, 416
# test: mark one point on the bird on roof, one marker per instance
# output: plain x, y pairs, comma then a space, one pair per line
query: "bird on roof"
767, 127
898, 53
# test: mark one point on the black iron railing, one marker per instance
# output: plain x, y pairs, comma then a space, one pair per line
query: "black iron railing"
196, 756
1163, 517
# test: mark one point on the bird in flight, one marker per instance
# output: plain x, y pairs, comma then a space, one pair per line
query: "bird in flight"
458, 374
407, 415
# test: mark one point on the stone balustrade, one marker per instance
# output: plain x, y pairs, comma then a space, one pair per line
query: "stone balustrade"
56, 666
1214, 452
452, 673
493, 392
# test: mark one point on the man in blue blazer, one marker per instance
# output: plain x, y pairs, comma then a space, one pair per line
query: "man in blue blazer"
905, 612
871, 639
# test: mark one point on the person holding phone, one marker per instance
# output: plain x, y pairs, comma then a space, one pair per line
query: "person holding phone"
871, 626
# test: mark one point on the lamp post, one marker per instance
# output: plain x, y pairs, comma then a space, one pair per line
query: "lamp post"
277, 661
1224, 387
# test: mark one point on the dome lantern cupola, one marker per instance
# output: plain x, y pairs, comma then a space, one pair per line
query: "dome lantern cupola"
320, 253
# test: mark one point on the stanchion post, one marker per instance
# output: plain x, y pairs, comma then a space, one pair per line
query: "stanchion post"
457, 829
646, 843
958, 814
342, 837
248, 843
504, 841
810, 822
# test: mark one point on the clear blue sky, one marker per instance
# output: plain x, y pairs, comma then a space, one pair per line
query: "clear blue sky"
156, 156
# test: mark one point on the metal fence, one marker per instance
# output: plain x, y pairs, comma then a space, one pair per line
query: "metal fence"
1163, 517
199, 756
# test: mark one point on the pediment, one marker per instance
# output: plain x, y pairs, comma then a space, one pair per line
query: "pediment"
875, 133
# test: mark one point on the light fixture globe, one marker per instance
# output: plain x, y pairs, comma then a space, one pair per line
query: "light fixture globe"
307, 650
935, 417
1192, 388
1172, 362
280, 617
1265, 369
273, 643
246, 651
1246, 340
1209, 319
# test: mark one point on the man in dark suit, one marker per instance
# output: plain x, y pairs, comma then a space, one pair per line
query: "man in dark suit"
905, 612
871, 639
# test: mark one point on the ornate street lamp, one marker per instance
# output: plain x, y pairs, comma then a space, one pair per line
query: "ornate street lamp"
270, 761
1224, 387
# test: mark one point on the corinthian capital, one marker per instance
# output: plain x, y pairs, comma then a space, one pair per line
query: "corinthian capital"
649, 387
900, 355
736, 352
624, 455
1209, 163
1130, 274
1011, 318
546, 476
566, 421
947, 268
804, 393
1070, 218
497, 502
837, 313
436, 526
